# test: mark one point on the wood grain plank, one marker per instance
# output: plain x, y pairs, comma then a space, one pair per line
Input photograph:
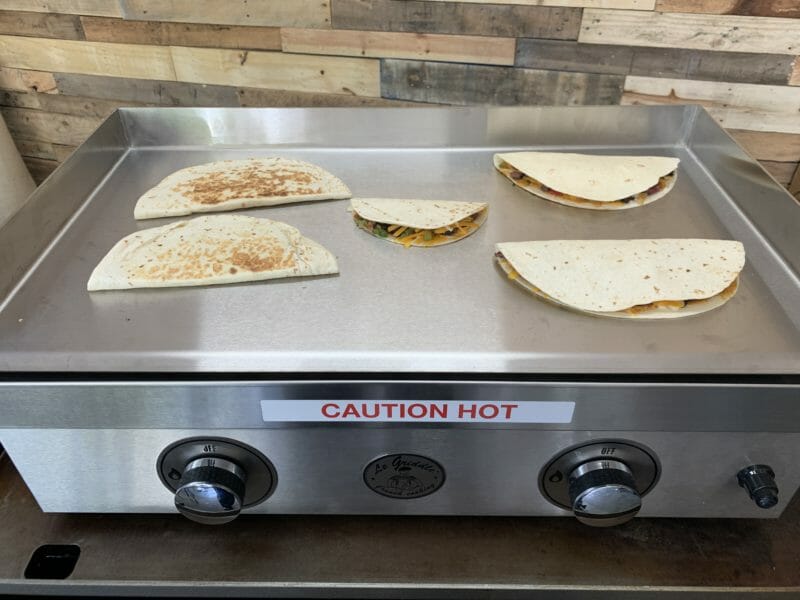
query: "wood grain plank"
102, 8
19, 99
39, 168
733, 105
63, 152
100, 29
794, 184
701, 32
43, 25
254, 97
142, 91
380, 44
557, 55
69, 130
86, 107
35, 149
781, 171
794, 77
458, 18
617, 4
27, 81
277, 70
275, 13
755, 8
761, 145
92, 58
474, 84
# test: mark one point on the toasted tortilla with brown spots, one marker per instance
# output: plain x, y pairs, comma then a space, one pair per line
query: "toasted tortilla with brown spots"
234, 184
210, 250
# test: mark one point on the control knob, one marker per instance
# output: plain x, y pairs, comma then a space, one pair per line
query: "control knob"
211, 490
603, 493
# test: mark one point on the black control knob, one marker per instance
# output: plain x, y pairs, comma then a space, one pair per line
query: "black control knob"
211, 490
759, 481
603, 493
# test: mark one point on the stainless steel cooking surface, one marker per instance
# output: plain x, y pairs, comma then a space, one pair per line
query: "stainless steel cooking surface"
417, 381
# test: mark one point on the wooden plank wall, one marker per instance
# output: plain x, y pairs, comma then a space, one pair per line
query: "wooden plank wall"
66, 64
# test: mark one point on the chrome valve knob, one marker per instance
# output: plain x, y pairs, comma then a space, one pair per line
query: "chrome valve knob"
211, 490
603, 493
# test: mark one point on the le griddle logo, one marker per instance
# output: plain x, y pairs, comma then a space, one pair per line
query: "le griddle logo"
404, 476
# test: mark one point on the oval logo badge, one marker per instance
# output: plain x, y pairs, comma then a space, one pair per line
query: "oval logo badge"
404, 476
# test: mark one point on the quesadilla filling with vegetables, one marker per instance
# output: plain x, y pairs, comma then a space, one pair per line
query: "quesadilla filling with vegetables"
590, 181
648, 279
418, 222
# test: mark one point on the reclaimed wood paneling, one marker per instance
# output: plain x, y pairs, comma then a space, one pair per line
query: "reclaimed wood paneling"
275, 98
142, 91
794, 184
473, 84
92, 58
657, 62
700, 32
69, 130
734, 105
781, 171
275, 13
782, 147
427, 46
43, 25
35, 149
103, 8
459, 18
19, 99
39, 168
794, 78
756, 8
280, 71
100, 29
27, 81
623, 4
86, 107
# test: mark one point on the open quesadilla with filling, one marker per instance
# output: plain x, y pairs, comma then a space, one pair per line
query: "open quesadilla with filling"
233, 184
418, 222
632, 279
210, 250
589, 180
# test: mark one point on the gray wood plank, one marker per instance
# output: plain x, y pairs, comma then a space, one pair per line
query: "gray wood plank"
738, 67
43, 25
144, 91
85, 107
275, 98
454, 17
19, 99
473, 84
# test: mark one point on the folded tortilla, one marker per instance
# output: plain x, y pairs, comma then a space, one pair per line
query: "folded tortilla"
589, 180
233, 184
631, 279
210, 250
418, 222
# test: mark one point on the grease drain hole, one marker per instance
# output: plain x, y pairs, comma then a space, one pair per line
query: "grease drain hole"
52, 561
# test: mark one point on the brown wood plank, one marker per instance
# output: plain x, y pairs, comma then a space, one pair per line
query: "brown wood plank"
20, 99
754, 8
382, 44
35, 149
85, 107
43, 25
27, 81
99, 29
474, 84
92, 58
143, 91
278, 70
794, 77
69, 130
728, 33
458, 18
794, 184
274, 13
39, 168
619, 4
104, 8
763, 145
781, 171
276, 98
63, 152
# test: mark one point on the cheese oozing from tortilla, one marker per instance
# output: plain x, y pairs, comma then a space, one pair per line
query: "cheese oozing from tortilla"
627, 278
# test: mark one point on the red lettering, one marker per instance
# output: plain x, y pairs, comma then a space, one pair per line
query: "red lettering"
438, 411
350, 411
463, 410
489, 411
508, 408
417, 411
389, 409
327, 408
374, 414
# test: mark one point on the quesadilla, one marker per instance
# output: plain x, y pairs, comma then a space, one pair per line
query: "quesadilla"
233, 184
210, 250
418, 222
591, 181
632, 279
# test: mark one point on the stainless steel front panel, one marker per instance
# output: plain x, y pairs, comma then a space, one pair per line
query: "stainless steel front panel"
393, 309
488, 472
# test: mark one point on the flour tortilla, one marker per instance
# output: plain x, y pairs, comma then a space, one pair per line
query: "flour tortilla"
607, 277
603, 181
233, 184
421, 214
210, 250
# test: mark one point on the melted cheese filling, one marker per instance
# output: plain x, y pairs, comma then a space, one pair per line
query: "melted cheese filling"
534, 185
412, 236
